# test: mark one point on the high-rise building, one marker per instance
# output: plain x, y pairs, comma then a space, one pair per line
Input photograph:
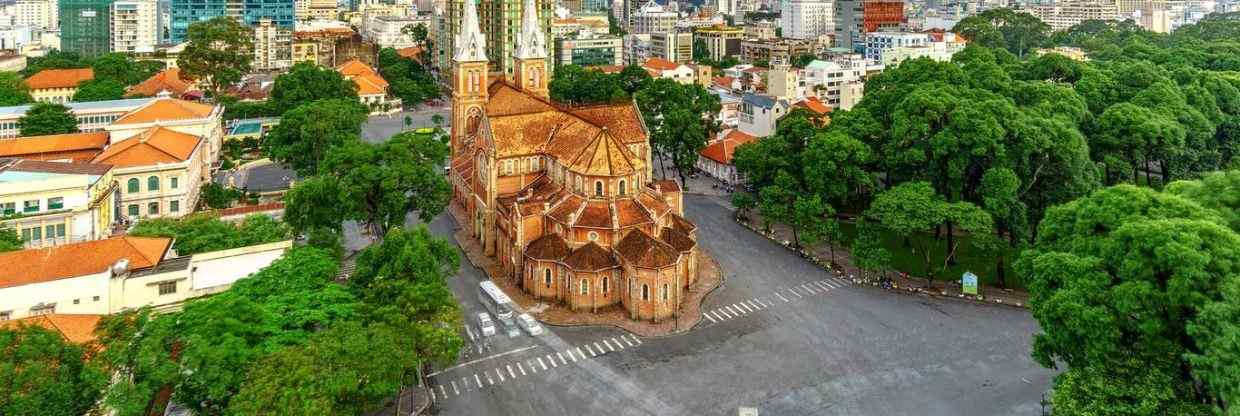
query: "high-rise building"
806, 19
849, 24
499, 21
85, 26
653, 18
721, 41
589, 50
676, 47
134, 26
1065, 14
273, 46
315, 9
282, 13
38, 14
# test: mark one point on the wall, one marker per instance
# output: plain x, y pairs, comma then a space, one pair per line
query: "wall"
63, 292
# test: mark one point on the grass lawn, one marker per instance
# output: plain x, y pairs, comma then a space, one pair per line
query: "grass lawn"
906, 260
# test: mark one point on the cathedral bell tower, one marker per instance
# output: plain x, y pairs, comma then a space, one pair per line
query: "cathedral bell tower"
469, 70
530, 60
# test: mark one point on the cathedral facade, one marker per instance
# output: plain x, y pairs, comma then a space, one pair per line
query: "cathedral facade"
563, 196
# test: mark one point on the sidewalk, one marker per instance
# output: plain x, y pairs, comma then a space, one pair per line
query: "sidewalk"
820, 256
551, 313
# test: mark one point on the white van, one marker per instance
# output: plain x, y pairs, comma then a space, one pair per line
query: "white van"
485, 324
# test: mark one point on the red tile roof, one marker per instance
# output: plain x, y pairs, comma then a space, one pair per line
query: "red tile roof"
77, 329
155, 145
59, 78
813, 104
722, 150
167, 109
79, 147
25, 267
167, 80
642, 250
660, 64
547, 247
590, 258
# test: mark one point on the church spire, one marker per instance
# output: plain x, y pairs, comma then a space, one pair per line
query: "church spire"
470, 44
531, 43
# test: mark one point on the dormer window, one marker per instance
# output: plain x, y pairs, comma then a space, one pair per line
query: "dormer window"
598, 188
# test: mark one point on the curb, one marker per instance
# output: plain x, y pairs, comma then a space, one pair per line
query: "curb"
979, 299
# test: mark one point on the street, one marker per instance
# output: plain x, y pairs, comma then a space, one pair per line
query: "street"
377, 129
780, 335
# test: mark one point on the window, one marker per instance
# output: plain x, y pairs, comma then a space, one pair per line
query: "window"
167, 288
55, 203
645, 292
623, 191
152, 183
32, 234
30, 206
55, 230
174, 206
598, 188
547, 277
152, 208
585, 287
663, 292
95, 298
604, 285
174, 182
8, 208
6, 315
132, 185
133, 211
77, 301
43, 309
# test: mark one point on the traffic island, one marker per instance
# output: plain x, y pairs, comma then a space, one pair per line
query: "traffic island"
709, 278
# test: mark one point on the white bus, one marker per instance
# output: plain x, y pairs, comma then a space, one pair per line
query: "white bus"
496, 301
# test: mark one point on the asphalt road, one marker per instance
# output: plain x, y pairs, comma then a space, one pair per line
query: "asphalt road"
782, 336
377, 129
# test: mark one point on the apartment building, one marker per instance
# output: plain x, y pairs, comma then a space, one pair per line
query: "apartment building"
43, 14
135, 26
387, 31
806, 19
721, 40
675, 47
754, 50
877, 42
273, 46
1065, 14
653, 18
589, 50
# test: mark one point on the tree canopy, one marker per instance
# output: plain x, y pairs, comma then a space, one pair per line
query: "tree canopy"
202, 233
13, 90
409, 80
308, 132
218, 53
43, 374
47, 118
99, 89
306, 83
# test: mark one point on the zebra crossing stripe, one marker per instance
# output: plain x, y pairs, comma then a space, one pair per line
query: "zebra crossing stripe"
562, 360
533, 369
454, 390
552, 361
443, 392
782, 297
582, 354
500, 374
723, 312
636, 339
618, 344
592, 354
755, 305
600, 349
540, 362
433, 396
609, 348
478, 379
707, 315
571, 355
510, 373
626, 340
519, 367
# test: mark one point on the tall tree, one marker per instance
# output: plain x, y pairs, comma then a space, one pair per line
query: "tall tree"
13, 90
1018, 32
308, 133
314, 204
99, 89
381, 184
9, 240
202, 233
681, 118
306, 83
913, 208
47, 118
868, 251
43, 374
218, 53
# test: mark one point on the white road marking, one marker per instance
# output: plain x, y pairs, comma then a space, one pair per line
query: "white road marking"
433, 396
489, 380
720, 316
810, 288
707, 315
500, 374
481, 360
592, 354
796, 293
724, 313
533, 369
478, 379
552, 361
754, 305
562, 360
736, 312
600, 349
782, 297
609, 348
510, 373
747, 308
824, 285
443, 392
540, 362
626, 340
571, 355
465, 383
519, 367
636, 339
454, 390
470, 332
582, 354
618, 344
479, 348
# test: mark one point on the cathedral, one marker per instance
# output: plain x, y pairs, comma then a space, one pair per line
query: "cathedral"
562, 195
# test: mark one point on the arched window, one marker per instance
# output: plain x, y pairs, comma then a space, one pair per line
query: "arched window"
623, 191
645, 292
598, 188
547, 277
152, 183
663, 292
585, 287
133, 185
604, 285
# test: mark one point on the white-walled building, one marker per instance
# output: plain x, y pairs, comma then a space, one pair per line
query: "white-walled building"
877, 42
836, 85
43, 14
55, 203
653, 18
16, 37
273, 46
758, 114
385, 31
111, 275
806, 19
941, 47
135, 26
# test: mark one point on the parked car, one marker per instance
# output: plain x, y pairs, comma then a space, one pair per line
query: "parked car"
485, 324
528, 323
511, 328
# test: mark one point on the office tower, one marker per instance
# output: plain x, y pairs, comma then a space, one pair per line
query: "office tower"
85, 26
250, 12
135, 26
806, 19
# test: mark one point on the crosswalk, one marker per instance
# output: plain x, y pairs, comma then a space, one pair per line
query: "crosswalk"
780, 296
444, 386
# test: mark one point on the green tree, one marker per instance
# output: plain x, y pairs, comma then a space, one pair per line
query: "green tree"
314, 204
55, 59
99, 89
1119, 281
306, 83
218, 196
417, 32
9, 240
1018, 32
800, 61
47, 118
835, 167
348, 369
775, 203
868, 251
218, 53
680, 118
13, 91
913, 208
202, 233
816, 222
119, 68
42, 374
307, 134
576, 85
381, 184
1000, 198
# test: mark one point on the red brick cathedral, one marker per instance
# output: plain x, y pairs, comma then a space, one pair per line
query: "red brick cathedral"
563, 196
